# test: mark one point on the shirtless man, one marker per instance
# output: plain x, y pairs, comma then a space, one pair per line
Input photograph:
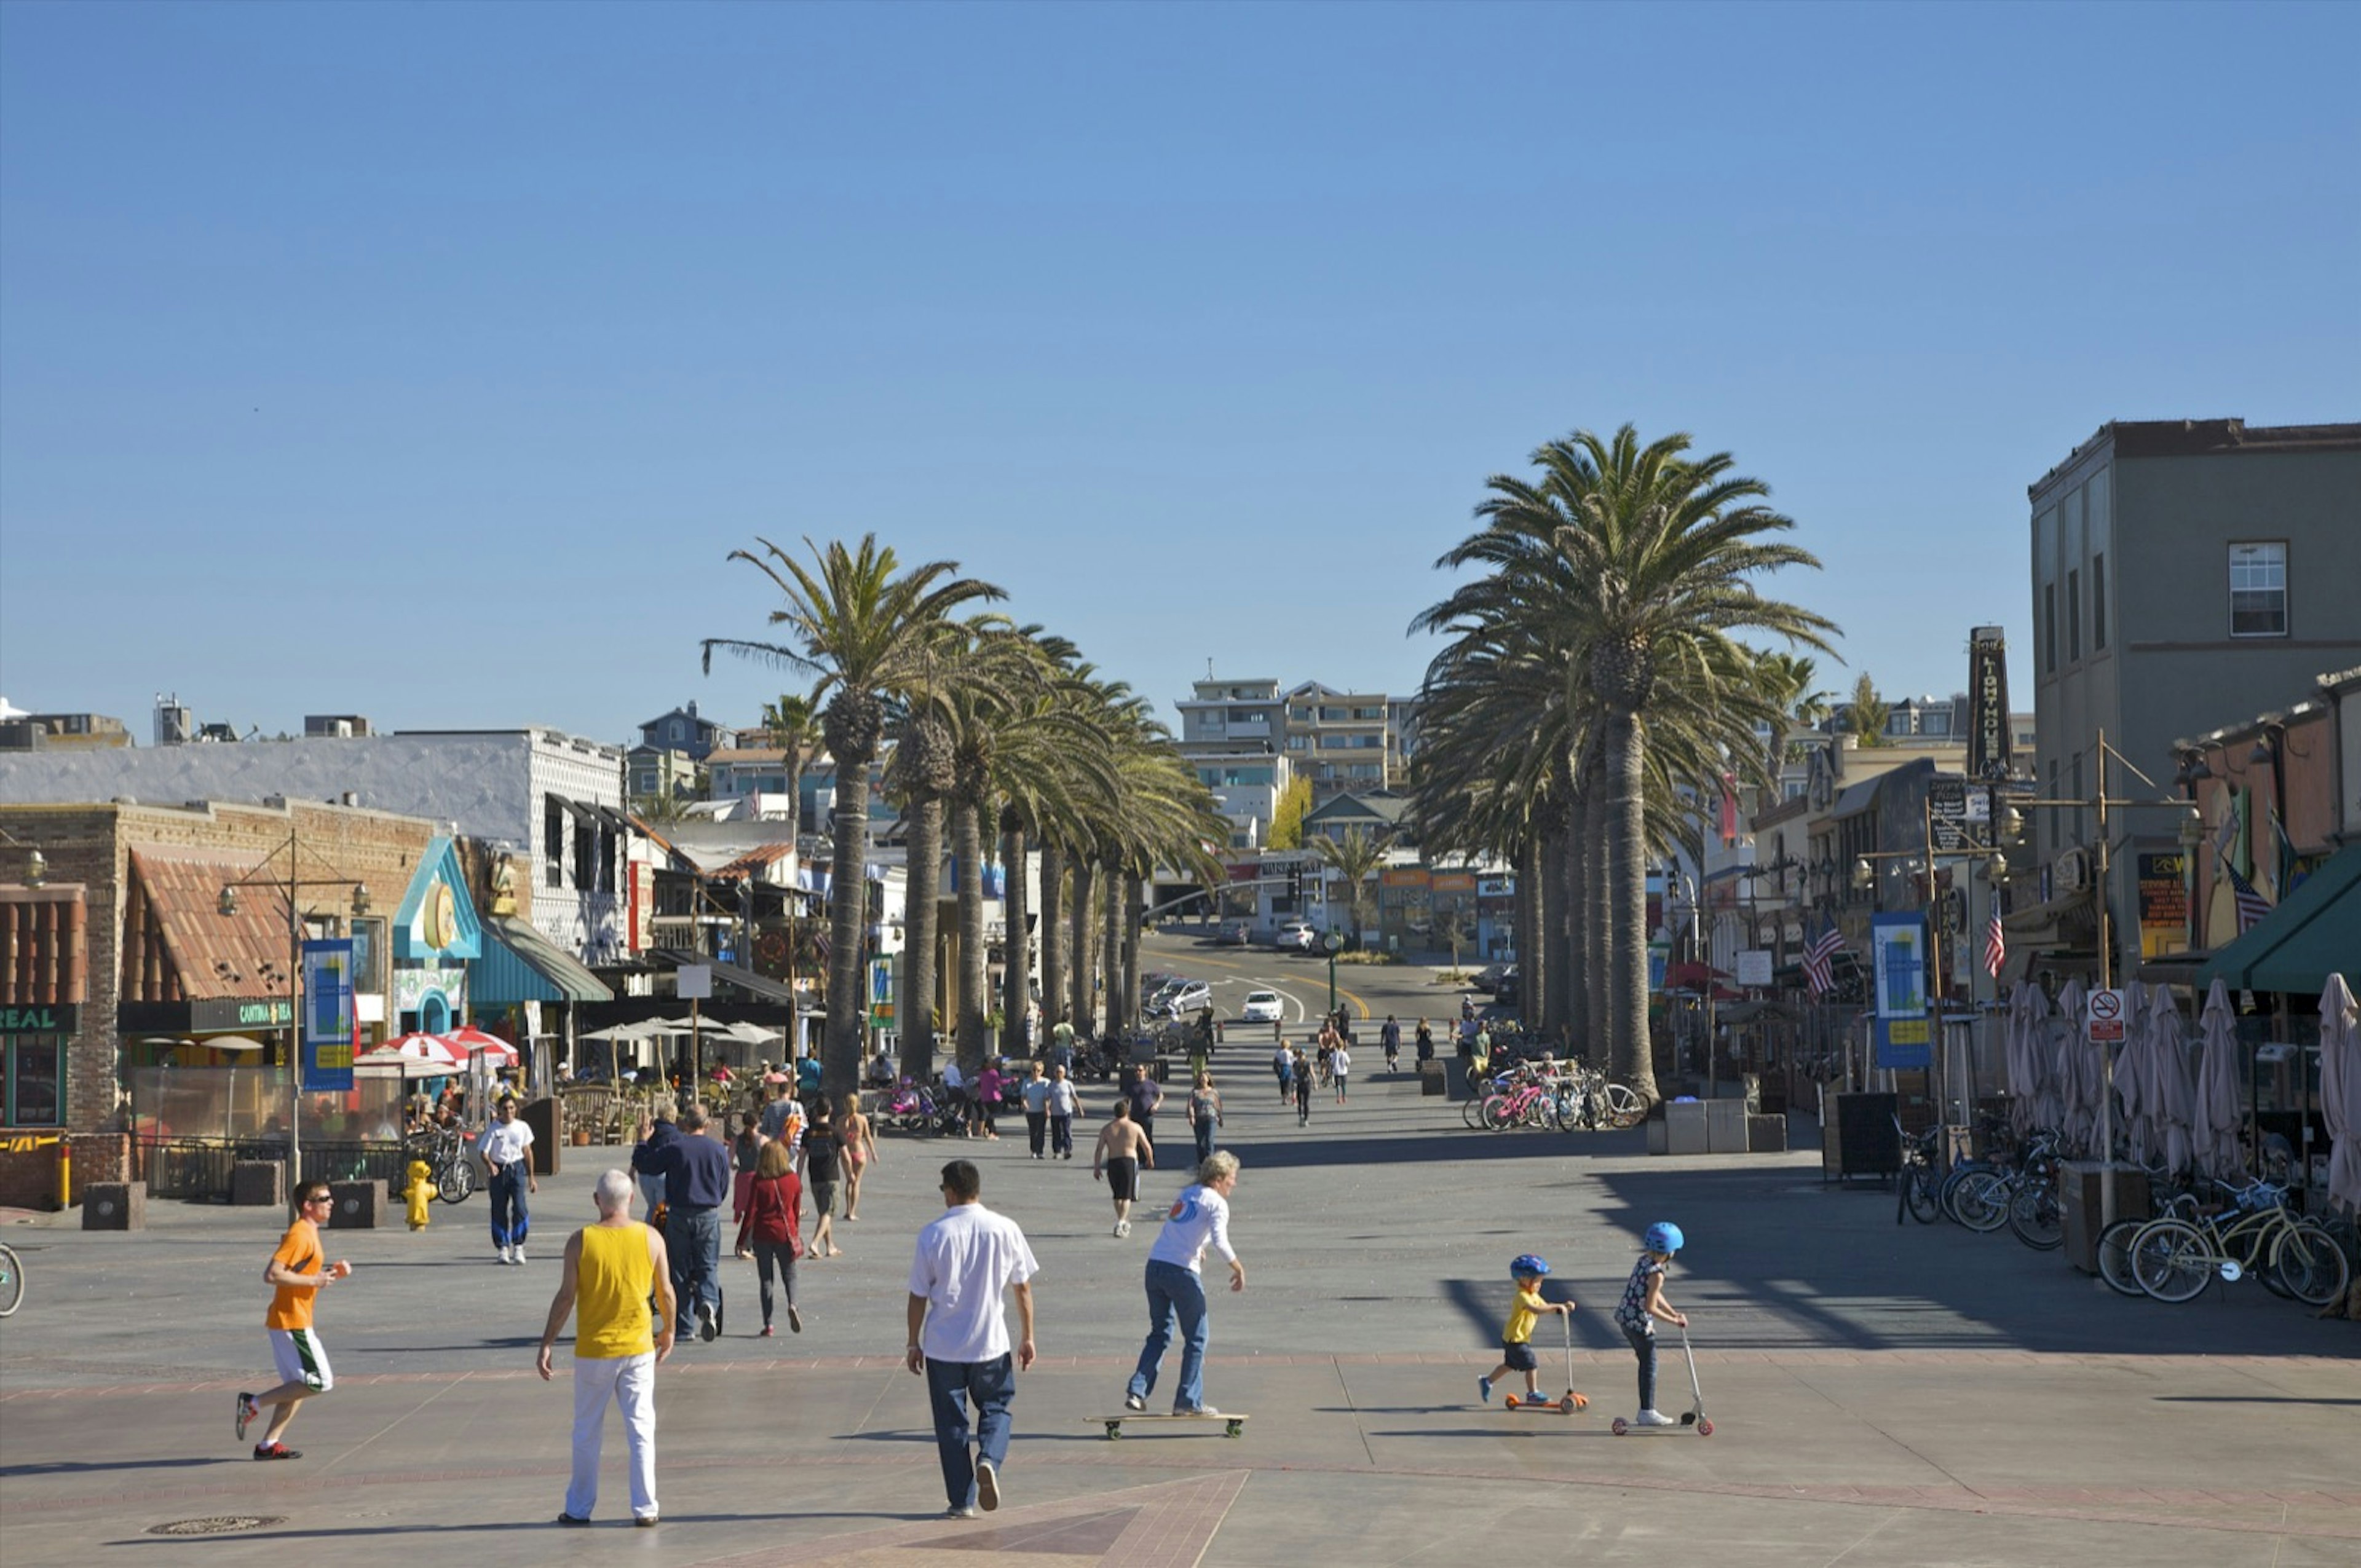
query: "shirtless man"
1122, 1152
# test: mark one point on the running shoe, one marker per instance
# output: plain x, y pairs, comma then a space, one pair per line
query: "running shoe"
795, 1320
1484, 1386
516, 1255
275, 1450
1135, 1401
644, 1521
765, 1333
569, 1518
987, 1484
246, 1410
960, 1511
1653, 1419
1207, 1411
707, 1326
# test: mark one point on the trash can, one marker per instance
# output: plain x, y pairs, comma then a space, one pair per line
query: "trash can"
357, 1205
2080, 1193
115, 1206
258, 1183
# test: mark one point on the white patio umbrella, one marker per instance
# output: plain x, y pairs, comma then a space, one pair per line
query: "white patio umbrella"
2340, 1089
2215, 1110
2049, 1085
2023, 1076
2173, 1092
2081, 1075
2134, 1115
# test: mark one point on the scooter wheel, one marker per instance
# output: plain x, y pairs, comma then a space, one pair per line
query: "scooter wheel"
1567, 1406
1705, 1429
1511, 1401
1581, 1402
1620, 1426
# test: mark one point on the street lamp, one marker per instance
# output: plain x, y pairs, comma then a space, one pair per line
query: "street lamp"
1332, 943
227, 904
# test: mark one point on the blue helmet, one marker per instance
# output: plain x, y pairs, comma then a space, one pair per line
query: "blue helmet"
1663, 1236
1528, 1265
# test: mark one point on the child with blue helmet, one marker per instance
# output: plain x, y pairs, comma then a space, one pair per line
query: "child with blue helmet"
1643, 1303
1517, 1336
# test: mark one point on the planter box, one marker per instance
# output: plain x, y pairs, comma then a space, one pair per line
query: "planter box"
357, 1205
1685, 1128
1766, 1135
1432, 1079
1725, 1126
258, 1183
115, 1206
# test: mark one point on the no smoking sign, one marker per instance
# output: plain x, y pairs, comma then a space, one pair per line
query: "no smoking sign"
2104, 1019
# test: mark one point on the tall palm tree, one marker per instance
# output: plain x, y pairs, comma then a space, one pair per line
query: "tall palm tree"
793, 723
866, 628
1629, 569
1357, 857
1786, 682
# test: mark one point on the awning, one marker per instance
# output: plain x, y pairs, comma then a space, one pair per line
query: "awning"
519, 964
2314, 932
2069, 923
762, 988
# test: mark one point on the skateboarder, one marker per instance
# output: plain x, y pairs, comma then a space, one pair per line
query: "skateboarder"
1200, 1218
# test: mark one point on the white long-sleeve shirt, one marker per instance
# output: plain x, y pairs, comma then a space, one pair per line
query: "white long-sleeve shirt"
1200, 1218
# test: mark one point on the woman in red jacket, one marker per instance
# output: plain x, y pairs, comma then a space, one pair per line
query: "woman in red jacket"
770, 1224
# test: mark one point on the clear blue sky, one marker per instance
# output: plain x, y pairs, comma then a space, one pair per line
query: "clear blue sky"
425, 361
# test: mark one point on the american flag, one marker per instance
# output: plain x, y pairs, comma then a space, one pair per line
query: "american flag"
1817, 953
1996, 943
2252, 905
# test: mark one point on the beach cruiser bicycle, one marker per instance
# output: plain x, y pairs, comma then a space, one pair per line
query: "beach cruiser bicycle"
2174, 1258
12, 1280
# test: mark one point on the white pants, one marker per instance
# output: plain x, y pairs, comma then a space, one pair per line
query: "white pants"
630, 1382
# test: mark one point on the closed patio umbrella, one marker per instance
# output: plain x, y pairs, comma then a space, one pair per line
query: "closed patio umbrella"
2340, 1089
2133, 1092
2079, 1076
2173, 1093
2215, 1118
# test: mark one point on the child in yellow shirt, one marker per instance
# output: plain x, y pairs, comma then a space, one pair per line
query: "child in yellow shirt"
1516, 1336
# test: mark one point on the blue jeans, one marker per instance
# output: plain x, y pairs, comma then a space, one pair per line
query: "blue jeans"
509, 1219
1061, 1135
952, 1386
1644, 1345
1205, 1131
1174, 1293
693, 1237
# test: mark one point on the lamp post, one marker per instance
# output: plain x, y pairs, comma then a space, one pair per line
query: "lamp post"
289, 886
1332, 943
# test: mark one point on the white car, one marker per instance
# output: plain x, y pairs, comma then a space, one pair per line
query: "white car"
1264, 1007
1296, 937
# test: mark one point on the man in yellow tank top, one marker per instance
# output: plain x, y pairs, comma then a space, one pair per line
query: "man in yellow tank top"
612, 1271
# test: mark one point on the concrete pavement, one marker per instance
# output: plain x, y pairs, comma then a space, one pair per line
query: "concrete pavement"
1908, 1395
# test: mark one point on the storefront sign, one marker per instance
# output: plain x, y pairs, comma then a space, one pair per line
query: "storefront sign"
1404, 876
1454, 882
225, 1015
329, 1024
1897, 945
1496, 887
1755, 967
1988, 733
2163, 902
59, 1018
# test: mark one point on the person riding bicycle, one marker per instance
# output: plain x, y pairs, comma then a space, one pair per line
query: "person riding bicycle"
1517, 1336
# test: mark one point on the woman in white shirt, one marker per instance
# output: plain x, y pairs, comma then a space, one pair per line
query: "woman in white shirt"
1199, 1219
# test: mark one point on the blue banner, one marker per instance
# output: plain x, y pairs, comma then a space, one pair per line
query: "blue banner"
1897, 945
327, 1016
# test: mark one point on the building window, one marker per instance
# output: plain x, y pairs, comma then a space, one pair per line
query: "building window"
2098, 602
31, 1097
553, 843
2049, 627
2074, 615
2259, 606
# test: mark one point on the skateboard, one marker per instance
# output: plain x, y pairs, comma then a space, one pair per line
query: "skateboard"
1232, 1426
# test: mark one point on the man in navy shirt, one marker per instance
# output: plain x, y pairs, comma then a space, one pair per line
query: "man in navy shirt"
696, 1171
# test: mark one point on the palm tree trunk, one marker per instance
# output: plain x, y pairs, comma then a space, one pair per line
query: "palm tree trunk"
1540, 971
1053, 935
848, 914
1626, 844
1017, 969
1597, 909
1079, 1008
1135, 913
1116, 1021
795, 792
1531, 966
921, 920
967, 860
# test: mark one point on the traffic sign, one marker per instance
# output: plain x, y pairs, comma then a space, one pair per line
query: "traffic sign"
2103, 1020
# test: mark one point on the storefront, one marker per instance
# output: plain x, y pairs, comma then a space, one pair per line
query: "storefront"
33, 1041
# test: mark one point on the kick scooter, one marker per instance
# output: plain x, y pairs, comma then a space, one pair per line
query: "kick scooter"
1572, 1401
1691, 1416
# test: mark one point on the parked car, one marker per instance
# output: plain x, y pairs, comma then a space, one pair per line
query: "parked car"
1507, 991
1230, 934
1489, 977
1264, 1007
1296, 937
1180, 998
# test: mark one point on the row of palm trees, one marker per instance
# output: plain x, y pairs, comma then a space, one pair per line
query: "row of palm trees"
988, 732
1594, 667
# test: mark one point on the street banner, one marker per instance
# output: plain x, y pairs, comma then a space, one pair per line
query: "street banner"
1897, 945
329, 1024
1660, 959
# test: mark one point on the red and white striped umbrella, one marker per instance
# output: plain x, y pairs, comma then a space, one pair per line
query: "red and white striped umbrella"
431, 1049
468, 1038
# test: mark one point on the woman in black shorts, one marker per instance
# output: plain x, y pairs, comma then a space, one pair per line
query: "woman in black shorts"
823, 1151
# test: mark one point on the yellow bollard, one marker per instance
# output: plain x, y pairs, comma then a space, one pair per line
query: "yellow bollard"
65, 1174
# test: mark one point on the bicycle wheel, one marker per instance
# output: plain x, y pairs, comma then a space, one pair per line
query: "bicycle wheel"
1497, 1114
12, 1280
1979, 1200
458, 1181
1919, 1192
2171, 1260
2254, 1250
1471, 1110
2115, 1245
1624, 1108
2311, 1265
2036, 1217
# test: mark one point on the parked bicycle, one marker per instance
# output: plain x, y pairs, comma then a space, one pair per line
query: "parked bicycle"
12, 1280
2174, 1258
448, 1157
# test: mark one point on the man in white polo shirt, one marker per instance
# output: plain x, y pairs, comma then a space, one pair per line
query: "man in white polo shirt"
507, 1149
966, 1261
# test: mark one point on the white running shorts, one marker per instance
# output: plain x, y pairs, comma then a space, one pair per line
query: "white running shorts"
302, 1359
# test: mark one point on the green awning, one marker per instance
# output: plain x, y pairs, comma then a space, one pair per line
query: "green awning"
519, 964
2315, 930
